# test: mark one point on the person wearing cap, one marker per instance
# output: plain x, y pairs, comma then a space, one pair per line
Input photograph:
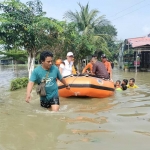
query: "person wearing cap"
99, 69
107, 65
66, 68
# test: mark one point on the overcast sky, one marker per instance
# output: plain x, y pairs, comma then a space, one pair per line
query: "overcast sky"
130, 17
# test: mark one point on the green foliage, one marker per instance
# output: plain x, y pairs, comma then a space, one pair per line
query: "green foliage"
85, 19
15, 54
19, 83
99, 32
107, 29
23, 27
80, 45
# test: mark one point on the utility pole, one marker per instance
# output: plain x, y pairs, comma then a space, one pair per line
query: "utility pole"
136, 63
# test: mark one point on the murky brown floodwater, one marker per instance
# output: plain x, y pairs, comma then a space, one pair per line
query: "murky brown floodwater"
118, 122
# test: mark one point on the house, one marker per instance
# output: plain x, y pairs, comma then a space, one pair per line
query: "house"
134, 54
5, 61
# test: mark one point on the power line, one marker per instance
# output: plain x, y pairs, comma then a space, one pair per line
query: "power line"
130, 12
127, 8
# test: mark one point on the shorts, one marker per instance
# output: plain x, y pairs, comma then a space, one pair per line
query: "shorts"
47, 103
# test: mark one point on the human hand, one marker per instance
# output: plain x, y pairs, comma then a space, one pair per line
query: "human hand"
28, 97
78, 73
111, 80
68, 87
87, 71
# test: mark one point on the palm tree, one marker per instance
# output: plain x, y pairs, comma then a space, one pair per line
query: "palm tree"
88, 23
86, 20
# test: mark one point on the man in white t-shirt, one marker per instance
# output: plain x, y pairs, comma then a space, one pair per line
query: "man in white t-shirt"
66, 67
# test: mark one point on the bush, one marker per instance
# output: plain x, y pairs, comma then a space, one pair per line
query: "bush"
19, 83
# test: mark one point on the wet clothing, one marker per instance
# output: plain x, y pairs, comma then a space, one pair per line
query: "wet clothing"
108, 66
67, 68
99, 70
118, 89
51, 87
88, 66
47, 103
134, 86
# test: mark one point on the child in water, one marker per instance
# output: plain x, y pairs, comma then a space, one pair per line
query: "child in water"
124, 84
118, 85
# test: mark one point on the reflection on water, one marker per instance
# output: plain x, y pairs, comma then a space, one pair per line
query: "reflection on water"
117, 122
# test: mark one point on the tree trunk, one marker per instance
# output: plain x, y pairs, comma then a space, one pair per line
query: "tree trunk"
31, 61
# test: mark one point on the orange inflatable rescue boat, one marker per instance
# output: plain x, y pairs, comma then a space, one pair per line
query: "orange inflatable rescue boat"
86, 86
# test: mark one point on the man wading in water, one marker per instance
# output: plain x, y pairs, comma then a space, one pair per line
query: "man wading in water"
51, 100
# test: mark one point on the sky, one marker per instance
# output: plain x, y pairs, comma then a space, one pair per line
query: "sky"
131, 18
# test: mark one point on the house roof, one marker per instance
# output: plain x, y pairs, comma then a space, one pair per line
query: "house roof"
138, 42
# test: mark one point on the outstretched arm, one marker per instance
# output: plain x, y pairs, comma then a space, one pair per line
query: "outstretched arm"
64, 82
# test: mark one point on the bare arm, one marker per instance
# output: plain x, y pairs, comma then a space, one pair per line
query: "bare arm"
29, 90
64, 82
85, 68
111, 75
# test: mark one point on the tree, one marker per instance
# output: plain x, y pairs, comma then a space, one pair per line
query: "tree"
16, 55
86, 20
89, 23
112, 44
24, 27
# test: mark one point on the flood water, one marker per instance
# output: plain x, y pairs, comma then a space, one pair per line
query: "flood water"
118, 122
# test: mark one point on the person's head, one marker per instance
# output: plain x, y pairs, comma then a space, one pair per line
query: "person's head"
94, 55
118, 82
70, 56
93, 60
58, 62
46, 59
131, 81
124, 87
103, 58
124, 81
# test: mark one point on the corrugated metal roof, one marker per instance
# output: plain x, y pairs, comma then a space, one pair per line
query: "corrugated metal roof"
138, 42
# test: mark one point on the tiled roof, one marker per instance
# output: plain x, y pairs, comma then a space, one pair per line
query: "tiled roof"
140, 41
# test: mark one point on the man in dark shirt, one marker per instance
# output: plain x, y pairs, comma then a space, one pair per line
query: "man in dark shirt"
99, 69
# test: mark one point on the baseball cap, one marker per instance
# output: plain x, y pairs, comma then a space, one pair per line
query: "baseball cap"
103, 56
69, 54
